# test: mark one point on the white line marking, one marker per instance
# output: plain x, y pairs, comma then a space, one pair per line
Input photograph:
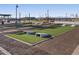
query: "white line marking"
76, 51
4, 51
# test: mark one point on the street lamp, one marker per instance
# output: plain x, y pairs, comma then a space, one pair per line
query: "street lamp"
47, 17
16, 14
47, 13
29, 17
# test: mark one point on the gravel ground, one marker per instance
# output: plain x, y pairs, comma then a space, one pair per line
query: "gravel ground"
63, 44
1, 53
17, 48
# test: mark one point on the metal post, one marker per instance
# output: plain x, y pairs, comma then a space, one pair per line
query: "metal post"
19, 17
66, 16
29, 17
16, 15
47, 15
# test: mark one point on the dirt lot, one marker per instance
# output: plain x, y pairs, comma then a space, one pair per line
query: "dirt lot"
63, 44
17, 48
1, 53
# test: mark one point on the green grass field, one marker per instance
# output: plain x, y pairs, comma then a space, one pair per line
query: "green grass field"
51, 30
27, 38
54, 31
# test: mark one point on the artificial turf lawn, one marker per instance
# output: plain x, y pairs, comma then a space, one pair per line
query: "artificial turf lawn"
33, 39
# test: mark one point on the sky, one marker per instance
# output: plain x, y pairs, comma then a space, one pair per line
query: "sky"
40, 10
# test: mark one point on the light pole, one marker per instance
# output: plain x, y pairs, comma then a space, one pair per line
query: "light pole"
29, 17
47, 15
16, 14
